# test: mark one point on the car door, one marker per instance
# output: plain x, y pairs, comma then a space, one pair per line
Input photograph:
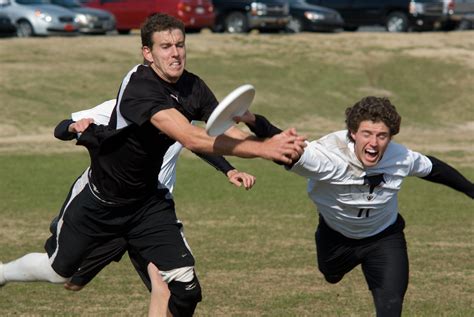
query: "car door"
344, 7
368, 12
128, 13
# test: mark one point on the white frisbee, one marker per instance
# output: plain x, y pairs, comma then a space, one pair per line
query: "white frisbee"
234, 104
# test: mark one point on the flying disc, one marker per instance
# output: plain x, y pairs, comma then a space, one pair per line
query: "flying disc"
234, 104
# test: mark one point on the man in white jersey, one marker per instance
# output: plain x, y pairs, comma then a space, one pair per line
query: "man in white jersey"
354, 177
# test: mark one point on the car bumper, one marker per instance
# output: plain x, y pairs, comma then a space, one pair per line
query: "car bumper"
423, 22
44, 28
97, 27
262, 22
198, 21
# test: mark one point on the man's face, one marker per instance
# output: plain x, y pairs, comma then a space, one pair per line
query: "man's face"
371, 141
168, 54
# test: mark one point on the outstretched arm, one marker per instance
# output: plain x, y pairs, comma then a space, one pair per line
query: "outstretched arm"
281, 147
442, 173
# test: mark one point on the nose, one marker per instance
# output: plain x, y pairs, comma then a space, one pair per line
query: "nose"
174, 50
373, 141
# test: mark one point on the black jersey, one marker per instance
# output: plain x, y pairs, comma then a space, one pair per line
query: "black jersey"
127, 155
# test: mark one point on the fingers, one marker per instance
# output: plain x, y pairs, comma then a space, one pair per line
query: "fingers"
287, 147
241, 178
81, 125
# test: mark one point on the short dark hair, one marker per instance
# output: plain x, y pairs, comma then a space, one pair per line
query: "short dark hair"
376, 109
156, 23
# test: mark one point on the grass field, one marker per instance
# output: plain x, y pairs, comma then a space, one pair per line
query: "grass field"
255, 250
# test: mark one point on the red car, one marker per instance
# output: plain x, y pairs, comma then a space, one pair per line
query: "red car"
130, 14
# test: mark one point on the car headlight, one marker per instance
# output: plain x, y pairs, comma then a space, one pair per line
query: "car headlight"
258, 8
43, 16
416, 8
82, 18
313, 16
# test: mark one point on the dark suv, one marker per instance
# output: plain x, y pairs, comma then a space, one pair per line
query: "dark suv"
395, 15
240, 16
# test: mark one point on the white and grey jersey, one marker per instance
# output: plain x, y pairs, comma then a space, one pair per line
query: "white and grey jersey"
101, 115
337, 183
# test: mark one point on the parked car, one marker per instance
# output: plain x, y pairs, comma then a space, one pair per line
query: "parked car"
240, 16
308, 17
459, 14
130, 14
395, 15
7, 28
90, 21
39, 17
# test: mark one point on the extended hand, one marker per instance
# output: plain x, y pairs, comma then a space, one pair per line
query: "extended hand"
80, 125
286, 147
241, 178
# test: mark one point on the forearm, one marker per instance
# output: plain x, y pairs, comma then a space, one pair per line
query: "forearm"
442, 173
62, 130
218, 162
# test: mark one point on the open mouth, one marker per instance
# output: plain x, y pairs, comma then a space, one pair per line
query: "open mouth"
371, 154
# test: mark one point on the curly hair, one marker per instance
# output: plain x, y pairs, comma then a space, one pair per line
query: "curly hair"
376, 109
156, 23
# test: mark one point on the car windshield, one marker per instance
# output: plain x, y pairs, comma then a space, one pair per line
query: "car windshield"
66, 3
33, 1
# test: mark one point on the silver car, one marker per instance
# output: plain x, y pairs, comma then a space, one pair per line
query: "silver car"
39, 17
91, 21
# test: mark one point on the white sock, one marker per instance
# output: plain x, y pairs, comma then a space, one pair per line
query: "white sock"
31, 268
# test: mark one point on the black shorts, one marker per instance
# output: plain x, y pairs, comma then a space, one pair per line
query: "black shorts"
150, 228
383, 257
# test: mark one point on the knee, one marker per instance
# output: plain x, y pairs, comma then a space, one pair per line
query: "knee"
388, 303
185, 291
184, 297
333, 279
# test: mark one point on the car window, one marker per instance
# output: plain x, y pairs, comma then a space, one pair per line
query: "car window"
32, 1
67, 3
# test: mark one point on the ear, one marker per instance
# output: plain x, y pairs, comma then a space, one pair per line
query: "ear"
353, 135
146, 52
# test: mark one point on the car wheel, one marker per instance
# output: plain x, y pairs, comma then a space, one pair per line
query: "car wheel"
124, 31
24, 29
236, 22
295, 25
397, 22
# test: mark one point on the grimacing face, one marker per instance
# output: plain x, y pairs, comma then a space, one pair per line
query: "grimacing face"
371, 141
167, 56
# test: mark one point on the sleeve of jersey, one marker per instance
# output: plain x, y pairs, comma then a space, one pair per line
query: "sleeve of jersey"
218, 162
420, 165
263, 128
142, 99
100, 114
316, 163
208, 101
61, 131
442, 173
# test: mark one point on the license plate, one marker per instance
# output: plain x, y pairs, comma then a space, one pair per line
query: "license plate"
200, 10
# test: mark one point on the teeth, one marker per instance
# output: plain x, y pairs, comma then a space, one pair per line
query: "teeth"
371, 151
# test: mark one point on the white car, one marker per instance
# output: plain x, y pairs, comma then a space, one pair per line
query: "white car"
39, 17
91, 20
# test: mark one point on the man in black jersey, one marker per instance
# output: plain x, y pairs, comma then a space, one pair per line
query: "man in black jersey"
154, 108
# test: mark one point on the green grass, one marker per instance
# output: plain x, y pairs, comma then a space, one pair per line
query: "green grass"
255, 249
